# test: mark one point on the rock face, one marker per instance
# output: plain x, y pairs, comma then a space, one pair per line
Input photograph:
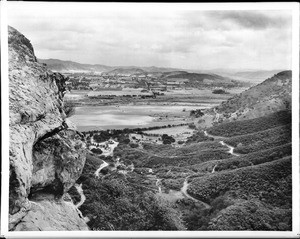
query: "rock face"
46, 153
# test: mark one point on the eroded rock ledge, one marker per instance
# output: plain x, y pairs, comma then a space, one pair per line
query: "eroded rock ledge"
46, 153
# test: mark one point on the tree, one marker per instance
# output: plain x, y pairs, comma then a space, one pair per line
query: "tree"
196, 113
96, 151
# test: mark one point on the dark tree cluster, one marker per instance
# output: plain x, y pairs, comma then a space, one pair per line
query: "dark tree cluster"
167, 139
196, 113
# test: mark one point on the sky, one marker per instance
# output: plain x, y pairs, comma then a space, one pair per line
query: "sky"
187, 38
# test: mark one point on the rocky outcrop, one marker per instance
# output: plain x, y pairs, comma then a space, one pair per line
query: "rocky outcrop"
46, 153
48, 214
57, 162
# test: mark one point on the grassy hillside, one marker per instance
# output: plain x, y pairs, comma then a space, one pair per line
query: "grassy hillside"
188, 155
250, 198
272, 95
199, 79
254, 158
130, 71
146, 159
269, 182
252, 215
261, 140
253, 125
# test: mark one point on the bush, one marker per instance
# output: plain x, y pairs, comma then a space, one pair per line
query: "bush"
133, 145
219, 91
97, 151
192, 126
167, 139
199, 136
196, 113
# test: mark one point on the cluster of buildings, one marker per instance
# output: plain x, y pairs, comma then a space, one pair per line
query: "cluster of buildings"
106, 81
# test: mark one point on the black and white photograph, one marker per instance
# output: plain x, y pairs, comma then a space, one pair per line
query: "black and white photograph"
150, 119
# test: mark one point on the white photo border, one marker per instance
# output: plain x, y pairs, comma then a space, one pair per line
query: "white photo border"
292, 6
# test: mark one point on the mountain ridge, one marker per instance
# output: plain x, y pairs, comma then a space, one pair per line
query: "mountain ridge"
62, 65
255, 75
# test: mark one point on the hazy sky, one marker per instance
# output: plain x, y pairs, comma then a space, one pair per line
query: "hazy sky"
192, 39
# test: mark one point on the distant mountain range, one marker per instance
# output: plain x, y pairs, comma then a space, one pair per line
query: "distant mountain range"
71, 66
253, 76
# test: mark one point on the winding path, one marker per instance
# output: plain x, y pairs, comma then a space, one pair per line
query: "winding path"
217, 115
82, 200
184, 192
103, 165
82, 196
213, 170
230, 148
109, 147
158, 184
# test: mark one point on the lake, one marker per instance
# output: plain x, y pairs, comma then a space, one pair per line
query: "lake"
129, 116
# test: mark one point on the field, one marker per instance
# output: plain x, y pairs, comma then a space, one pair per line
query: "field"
127, 96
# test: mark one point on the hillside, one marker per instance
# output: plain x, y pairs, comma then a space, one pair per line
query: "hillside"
199, 79
46, 153
254, 198
272, 95
236, 128
129, 71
